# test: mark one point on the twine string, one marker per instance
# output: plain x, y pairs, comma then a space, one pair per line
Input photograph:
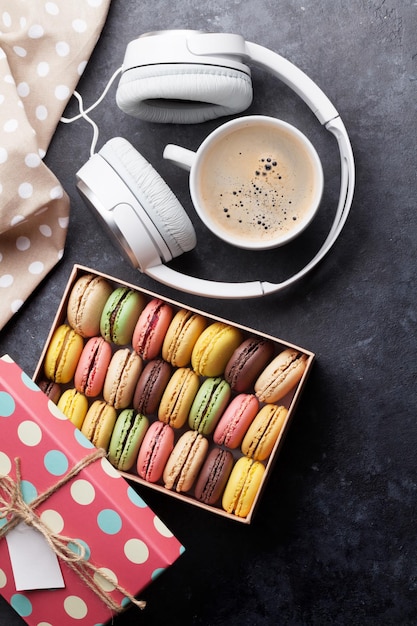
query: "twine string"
15, 510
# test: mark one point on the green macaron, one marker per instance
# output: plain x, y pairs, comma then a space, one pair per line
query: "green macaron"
128, 434
209, 403
120, 314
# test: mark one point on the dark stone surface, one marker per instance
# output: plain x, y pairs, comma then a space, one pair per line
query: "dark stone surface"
334, 540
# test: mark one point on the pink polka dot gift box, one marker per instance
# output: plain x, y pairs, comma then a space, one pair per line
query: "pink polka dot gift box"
93, 542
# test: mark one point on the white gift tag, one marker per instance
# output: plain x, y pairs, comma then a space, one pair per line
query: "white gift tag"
34, 564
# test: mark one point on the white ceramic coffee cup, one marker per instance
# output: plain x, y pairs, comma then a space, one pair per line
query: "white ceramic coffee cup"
256, 181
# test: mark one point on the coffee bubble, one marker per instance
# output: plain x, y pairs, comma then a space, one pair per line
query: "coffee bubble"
256, 184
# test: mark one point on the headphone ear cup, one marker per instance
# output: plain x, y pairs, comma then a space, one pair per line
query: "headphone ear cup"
183, 93
153, 194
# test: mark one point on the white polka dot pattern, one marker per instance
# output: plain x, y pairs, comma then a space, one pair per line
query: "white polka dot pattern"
44, 47
97, 509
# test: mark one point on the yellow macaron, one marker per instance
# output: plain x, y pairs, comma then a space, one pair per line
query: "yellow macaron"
74, 406
214, 347
243, 486
63, 353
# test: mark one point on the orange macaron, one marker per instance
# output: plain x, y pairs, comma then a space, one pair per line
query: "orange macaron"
99, 423
178, 397
181, 336
264, 431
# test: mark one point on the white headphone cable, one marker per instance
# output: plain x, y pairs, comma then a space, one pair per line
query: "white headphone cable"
68, 120
83, 114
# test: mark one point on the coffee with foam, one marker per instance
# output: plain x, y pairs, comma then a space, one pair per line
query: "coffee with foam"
257, 182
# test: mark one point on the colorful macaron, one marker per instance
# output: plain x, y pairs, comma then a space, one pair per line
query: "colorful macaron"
247, 361
126, 439
178, 397
214, 347
185, 461
151, 385
236, 420
208, 405
121, 378
51, 389
86, 302
150, 329
63, 353
92, 366
213, 476
154, 451
181, 336
74, 406
264, 432
243, 486
281, 375
120, 314
99, 423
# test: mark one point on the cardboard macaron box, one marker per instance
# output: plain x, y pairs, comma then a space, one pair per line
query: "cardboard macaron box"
184, 402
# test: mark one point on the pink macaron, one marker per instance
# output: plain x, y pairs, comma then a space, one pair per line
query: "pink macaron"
236, 420
149, 332
92, 367
156, 447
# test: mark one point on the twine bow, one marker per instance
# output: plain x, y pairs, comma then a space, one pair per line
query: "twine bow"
15, 510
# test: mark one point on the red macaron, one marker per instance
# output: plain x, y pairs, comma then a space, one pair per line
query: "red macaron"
236, 420
156, 447
92, 366
149, 332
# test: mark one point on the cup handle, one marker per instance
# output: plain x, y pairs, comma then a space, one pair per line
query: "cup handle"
179, 156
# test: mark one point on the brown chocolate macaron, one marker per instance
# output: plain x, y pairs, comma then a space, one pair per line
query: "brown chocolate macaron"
247, 361
51, 389
213, 476
151, 386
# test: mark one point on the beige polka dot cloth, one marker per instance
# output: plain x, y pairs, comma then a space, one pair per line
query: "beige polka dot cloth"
44, 48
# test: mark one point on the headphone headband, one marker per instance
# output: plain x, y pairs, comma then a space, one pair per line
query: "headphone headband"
186, 46
191, 48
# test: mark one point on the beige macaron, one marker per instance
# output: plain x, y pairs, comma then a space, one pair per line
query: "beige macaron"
281, 375
85, 304
185, 461
121, 378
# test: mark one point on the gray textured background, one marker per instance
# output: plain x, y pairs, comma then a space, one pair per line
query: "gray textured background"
334, 540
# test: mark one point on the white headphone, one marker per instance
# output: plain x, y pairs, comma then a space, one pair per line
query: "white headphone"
190, 77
